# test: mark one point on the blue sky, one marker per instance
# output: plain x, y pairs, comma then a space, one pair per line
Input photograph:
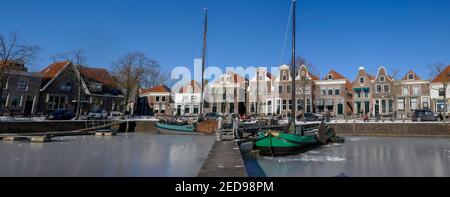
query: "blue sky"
332, 34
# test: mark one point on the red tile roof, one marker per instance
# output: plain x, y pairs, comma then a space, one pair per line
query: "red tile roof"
194, 84
53, 69
335, 75
416, 77
443, 76
159, 88
313, 77
98, 74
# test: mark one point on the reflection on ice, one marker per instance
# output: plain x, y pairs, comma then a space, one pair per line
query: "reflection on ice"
132, 154
366, 156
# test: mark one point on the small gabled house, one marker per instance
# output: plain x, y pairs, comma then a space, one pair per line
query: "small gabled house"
159, 100
283, 103
187, 99
334, 95
260, 93
362, 93
413, 93
304, 91
67, 86
383, 101
227, 95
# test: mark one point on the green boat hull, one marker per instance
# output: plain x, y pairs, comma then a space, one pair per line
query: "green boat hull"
278, 143
174, 128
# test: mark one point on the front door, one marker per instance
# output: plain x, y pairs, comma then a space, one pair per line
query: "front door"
340, 109
377, 107
28, 105
178, 110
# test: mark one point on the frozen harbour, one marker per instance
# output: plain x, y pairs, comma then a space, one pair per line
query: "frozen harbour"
124, 155
366, 156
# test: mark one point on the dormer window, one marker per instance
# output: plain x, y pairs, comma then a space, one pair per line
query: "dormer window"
284, 75
381, 78
361, 80
330, 77
66, 87
96, 87
410, 76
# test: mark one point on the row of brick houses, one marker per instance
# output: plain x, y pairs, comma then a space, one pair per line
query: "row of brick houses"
334, 94
57, 87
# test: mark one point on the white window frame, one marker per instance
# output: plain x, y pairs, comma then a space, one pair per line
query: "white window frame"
381, 88
6, 83
418, 90
384, 88
26, 83
405, 90
416, 103
401, 107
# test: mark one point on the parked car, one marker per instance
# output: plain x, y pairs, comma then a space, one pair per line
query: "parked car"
310, 117
425, 115
115, 115
97, 115
61, 115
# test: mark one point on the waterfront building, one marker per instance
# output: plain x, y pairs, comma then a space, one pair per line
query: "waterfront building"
438, 92
383, 96
227, 95
304, 91
157, 99
334, 95
283, 103
60, 89
19, 89
187, 99
412, 93
362, 93
305, 94
261, 94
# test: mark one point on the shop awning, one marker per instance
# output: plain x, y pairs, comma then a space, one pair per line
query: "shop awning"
365, 89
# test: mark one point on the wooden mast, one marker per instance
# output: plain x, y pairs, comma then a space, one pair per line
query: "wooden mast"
203, 62
293, 89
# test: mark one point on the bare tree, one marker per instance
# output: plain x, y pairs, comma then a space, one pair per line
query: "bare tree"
12, 51
130, 73
395, 90
77, 56
78, 59
438, 71
154, 77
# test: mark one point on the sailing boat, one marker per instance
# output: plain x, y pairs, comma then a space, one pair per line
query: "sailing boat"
293, 139
202, 126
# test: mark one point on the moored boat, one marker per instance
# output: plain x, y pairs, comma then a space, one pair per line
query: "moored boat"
294, 138
168, 128
283, 143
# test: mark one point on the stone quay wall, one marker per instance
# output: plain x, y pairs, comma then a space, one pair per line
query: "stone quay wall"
55, 126
357, 129
393, 129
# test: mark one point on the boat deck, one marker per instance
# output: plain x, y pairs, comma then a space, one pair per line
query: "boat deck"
224, 160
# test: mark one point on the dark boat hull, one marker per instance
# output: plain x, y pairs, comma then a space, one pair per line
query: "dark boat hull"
281, 144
